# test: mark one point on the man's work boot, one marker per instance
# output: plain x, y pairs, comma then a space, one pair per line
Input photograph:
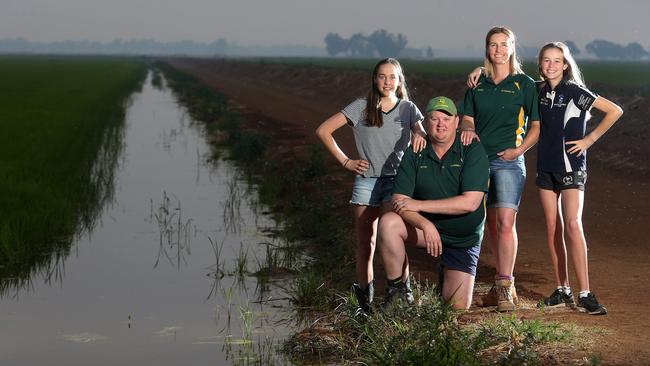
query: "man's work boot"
364, 296
398, 292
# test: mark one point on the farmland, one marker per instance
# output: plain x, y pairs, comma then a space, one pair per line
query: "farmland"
61, 120
616, 73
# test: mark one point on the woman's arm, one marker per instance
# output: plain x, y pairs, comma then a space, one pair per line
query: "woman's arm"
468, 131
325, 134
612, 113
532, 135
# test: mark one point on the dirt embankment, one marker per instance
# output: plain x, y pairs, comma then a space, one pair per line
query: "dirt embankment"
289, 103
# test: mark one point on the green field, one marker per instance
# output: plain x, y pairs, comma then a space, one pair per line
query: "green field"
62, 124
629, 74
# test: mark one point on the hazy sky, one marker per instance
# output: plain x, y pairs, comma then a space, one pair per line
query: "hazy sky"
440, 24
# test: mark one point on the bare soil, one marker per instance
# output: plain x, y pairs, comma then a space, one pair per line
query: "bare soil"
289, 102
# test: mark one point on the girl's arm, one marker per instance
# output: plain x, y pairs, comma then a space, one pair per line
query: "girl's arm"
419, 137
325, 131
612, 113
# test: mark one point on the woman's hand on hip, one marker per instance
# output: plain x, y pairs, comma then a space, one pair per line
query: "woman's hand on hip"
509, 154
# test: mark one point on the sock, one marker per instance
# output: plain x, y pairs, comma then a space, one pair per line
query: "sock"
505, 277
560, 288
567, 290
584, 293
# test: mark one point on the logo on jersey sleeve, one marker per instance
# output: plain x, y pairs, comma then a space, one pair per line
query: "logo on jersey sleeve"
584, 101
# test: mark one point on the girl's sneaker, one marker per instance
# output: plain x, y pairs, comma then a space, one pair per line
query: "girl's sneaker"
557, 298
590, 305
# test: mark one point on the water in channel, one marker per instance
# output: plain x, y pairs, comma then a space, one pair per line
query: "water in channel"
162, 278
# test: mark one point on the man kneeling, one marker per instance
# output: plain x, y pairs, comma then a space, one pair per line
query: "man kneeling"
438, 204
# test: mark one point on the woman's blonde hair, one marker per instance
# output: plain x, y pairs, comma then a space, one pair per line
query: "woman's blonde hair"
515, 65
572, 72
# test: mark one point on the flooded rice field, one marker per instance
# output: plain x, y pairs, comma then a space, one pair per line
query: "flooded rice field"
164, 277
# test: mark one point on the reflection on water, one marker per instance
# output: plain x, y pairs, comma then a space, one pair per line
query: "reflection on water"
175, 271
45, 261
174, 231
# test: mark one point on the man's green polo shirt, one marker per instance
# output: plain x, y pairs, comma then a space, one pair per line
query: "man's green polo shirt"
501, 112
424, 176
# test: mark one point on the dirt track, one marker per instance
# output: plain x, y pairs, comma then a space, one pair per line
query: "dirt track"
291, 102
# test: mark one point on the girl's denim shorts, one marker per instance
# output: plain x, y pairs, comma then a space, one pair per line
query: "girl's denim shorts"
372, 191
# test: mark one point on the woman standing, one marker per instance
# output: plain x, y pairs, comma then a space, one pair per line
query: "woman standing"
382, 125
502, 111
562, 170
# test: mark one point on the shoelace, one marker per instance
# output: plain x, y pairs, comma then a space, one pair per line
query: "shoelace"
505, 291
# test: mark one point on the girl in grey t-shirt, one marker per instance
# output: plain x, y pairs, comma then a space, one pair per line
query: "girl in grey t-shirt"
383, 123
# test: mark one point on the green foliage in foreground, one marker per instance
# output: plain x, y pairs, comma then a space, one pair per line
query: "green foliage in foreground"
62, 120
430, 333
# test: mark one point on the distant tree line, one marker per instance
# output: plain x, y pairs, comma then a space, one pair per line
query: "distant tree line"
117, 46
609, 50
380, 43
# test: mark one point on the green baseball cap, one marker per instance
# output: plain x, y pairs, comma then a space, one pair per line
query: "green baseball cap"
442, 104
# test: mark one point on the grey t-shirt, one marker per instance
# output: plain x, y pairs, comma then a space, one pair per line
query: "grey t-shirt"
383, 146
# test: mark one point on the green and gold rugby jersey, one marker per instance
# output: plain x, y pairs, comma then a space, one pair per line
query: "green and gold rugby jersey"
501, 112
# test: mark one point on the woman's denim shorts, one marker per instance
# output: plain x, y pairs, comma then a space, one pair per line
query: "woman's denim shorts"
507, 180
372, 191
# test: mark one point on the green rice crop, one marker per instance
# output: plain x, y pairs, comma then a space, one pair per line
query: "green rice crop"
62, 120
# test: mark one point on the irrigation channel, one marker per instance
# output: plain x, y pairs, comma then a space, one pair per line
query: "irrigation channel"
164, 277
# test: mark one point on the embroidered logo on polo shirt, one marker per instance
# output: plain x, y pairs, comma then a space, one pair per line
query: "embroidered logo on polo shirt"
423, 166
507, 91
455, 165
